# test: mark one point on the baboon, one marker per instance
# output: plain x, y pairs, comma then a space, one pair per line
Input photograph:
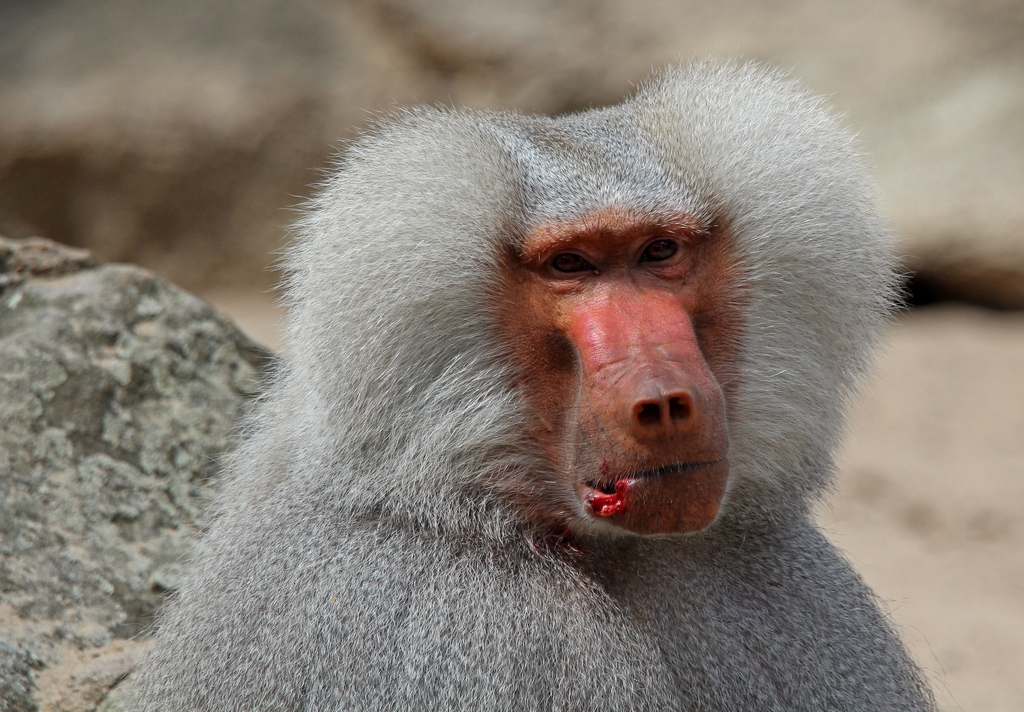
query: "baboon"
560, 395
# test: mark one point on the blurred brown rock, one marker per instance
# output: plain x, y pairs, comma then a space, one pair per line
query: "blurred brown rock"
178, 133
118, 394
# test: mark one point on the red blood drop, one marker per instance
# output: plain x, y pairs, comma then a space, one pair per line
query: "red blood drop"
606, 505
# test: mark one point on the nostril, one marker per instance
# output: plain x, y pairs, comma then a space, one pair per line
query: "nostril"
649, 414
678, 409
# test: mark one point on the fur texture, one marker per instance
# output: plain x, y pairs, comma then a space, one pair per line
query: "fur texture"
365, 555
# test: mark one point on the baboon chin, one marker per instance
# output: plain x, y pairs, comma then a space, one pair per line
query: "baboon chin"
559, 397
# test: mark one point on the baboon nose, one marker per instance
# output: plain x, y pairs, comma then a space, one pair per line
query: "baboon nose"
663, 414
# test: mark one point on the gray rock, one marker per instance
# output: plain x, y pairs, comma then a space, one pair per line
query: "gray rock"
17, 686
118, 394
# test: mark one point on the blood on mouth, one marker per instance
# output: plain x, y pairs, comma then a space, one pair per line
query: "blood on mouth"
605, 503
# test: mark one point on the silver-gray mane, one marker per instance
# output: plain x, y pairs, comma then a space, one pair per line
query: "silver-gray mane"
364, 554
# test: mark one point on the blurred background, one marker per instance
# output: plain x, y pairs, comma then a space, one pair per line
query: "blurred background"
181, 135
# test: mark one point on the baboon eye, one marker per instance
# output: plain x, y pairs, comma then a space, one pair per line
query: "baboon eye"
659, 250
571, 262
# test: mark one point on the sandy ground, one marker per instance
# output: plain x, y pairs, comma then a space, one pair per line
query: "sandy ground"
930, 499
930, 506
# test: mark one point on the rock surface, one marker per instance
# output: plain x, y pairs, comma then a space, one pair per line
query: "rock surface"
118, 394
172, 133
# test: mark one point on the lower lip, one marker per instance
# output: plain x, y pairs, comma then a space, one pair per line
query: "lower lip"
604, 505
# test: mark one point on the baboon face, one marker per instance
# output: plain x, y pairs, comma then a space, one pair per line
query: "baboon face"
623, 329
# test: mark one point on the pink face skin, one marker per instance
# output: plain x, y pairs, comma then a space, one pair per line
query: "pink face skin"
614, 325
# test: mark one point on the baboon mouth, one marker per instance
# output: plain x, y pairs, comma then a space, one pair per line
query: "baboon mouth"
609, 486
